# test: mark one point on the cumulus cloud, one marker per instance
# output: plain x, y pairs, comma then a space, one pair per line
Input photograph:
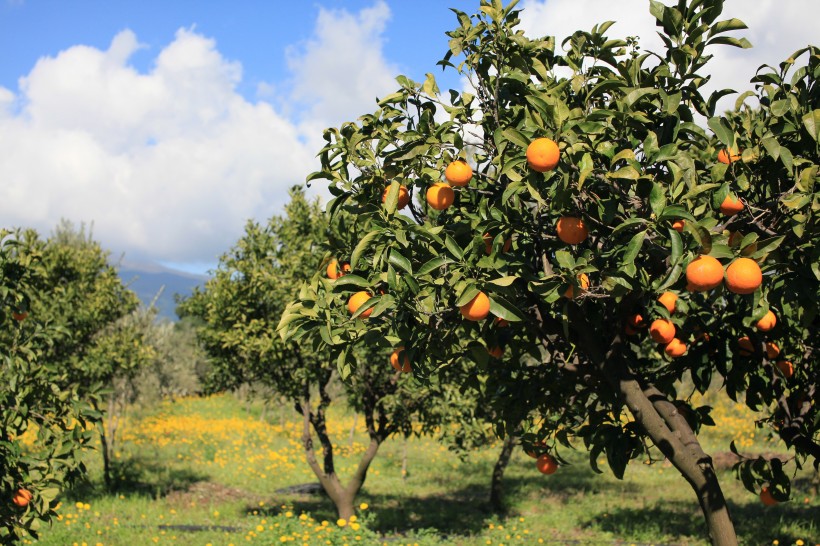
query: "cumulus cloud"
338, 73
170, 163
776, 30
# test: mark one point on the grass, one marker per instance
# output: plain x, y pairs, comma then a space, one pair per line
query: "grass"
210, 471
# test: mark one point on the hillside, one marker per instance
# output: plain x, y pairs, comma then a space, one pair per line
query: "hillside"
148, 280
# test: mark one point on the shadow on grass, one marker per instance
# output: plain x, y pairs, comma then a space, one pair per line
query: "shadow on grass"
676, 519
137, 475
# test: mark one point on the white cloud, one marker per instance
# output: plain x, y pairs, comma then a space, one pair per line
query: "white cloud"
340, 70
776, 29
169, 164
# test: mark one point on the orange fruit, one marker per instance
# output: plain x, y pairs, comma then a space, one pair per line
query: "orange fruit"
725, 157
629, 330
458, 173
675, 348
356, 301
583, 281
704, 273
501, 323
636, 321
662, 331
743, 276
731, 205
772, 350
543, 155
668, 300
404, 196
488, 244
496, 352
571, 230
766, 497
395, 358
19, 316
786, 368
334, 271
546, 464
477, 308
745, 347
767, 322
22, 497
536, 447
440, 196
678, 225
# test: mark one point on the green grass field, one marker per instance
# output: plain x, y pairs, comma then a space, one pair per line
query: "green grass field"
207, 471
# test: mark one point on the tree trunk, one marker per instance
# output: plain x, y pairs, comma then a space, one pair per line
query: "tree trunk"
673, 436
497, 482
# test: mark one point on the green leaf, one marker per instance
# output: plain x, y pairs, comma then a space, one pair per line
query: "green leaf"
628, 223
675, 212
565, 259
515, 136
429, 86
344, 283
469, 292
452, 247
727, 25
657, 198
504, 309
432, 265
721, 251
633, 248
362, 246
397, 260
722, 131
504, 281
811, 122
766, 247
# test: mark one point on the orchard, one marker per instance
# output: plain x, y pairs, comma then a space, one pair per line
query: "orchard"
631, 238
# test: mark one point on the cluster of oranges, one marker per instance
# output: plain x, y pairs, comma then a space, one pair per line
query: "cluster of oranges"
661, 330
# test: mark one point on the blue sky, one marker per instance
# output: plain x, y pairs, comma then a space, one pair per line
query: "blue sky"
169, 124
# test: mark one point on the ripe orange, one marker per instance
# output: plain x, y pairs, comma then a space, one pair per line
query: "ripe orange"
629, 330
767, 322
440, 196
704, 273
477, 308
731, 205
675, 348
724, 157
458, 173
543, 155
334, 271
22, 497
766, 497
571, 230
772, 350
356, 301
636, 321
662, 331
488, 244
583, 281
786, 368
546, 464
743, 276
395, 358
678, 225
745, 347
501, 323
404, 196
668, 300
19, 316
496, 352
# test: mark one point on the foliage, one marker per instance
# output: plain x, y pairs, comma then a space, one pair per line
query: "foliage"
633, 160
36, 399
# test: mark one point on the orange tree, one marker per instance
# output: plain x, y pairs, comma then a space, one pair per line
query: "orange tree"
595, 190
42, 415
238, 311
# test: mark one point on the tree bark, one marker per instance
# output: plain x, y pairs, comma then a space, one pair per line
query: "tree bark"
497, 483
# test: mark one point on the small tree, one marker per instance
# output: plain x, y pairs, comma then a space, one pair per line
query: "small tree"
590, 161
240, 308
42, 416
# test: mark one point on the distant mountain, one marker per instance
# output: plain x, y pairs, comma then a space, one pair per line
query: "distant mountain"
148, 279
